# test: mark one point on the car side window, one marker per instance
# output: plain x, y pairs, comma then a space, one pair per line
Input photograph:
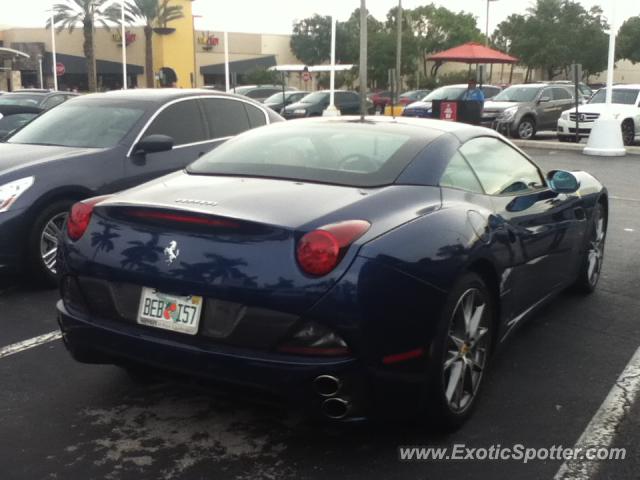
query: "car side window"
53, 101
500, 168
561, 94
256, 116
546, 93
226, 117
181, 121
459, 174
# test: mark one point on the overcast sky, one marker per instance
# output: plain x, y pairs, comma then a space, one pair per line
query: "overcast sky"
277, 16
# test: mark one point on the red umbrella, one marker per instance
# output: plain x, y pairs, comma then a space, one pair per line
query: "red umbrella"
472, 52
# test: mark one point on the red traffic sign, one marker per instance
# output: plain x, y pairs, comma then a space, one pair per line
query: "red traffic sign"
60, 69
306, 76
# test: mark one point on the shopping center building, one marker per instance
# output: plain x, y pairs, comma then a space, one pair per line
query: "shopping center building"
197, 57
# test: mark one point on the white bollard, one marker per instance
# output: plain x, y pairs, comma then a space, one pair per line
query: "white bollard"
605, 139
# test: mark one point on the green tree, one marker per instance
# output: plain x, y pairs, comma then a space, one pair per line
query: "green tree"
553, 35
438, 28
70, 14
152, 14
311, 40
628, 43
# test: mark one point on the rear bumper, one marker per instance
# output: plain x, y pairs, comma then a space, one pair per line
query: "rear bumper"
289, 378
106, 341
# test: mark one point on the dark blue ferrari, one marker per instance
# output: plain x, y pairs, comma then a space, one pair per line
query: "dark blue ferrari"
360, 267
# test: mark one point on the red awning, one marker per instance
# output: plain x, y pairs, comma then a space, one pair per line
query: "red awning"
472, 53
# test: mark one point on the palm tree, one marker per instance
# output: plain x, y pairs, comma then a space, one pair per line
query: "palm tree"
70, 14
152, 13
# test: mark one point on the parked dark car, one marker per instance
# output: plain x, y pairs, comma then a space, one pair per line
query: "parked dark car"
98, 144
317, 102
259, 93
275, 101
13, 117
423, 108
523, 110
357, 268
43, 99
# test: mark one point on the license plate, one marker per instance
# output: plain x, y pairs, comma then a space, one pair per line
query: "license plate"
170, 312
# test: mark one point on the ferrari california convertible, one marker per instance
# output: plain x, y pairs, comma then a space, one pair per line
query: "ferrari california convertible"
357, 267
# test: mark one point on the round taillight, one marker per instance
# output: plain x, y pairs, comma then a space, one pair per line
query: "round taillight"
80, 216
319, 251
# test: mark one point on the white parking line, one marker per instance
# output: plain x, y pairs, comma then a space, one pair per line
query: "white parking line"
602, 429
32, 342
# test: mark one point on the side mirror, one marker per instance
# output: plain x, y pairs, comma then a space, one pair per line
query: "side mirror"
544, 99
560, 181
154, 144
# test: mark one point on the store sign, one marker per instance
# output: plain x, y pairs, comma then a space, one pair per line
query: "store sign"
129, 37
207, 41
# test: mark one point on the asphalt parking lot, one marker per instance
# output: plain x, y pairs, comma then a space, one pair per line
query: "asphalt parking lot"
63, 420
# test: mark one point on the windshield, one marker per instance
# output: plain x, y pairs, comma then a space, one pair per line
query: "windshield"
345, 154
21, 99
314, 97
624, 96
446, 93
518, 94
86, 125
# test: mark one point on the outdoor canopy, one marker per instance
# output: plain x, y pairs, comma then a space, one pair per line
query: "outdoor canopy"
472, 52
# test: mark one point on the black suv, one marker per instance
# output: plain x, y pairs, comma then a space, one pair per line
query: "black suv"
99, 144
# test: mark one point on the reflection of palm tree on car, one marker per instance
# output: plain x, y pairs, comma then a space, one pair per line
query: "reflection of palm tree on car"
103, 241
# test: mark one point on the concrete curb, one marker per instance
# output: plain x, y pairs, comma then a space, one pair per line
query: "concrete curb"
575, 147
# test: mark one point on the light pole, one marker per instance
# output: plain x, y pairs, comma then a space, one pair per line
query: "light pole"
396, 95
40, 70
123, 34
331, 109
363, 59
226, 61
54, 59
486, 31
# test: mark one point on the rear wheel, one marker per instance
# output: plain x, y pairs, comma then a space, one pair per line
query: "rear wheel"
43, 242
628, 132
593, 257
459, 355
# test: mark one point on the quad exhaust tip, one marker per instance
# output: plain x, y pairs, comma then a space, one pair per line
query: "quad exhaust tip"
327, 385
335, 408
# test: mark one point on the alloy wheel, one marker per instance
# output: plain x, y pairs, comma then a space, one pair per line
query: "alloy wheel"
467, 350
525, 130
49, 241
596, 251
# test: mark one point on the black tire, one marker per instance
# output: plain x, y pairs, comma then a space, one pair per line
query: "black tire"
38, 270
526, 129
587, 280
628, 132
440, 411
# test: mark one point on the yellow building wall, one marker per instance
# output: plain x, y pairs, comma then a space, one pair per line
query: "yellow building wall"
176, 50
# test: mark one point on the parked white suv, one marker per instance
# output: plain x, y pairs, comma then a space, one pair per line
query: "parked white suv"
625, 107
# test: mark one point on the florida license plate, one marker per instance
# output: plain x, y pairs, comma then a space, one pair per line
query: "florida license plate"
169, 312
